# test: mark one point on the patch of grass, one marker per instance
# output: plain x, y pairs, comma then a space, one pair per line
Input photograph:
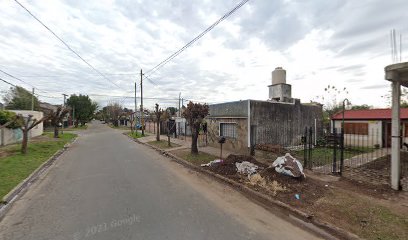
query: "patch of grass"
163, 144
362, 216
15, 167
136, 134
324, 155
200, 158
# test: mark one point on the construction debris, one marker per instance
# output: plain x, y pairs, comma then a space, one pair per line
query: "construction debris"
246, 168
212, 163
288, 165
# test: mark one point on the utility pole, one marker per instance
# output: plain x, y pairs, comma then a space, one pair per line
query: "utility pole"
179, 109
135, 116
141, 101
32, 101
65, 98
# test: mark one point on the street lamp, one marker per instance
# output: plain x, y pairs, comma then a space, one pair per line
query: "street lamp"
344, 109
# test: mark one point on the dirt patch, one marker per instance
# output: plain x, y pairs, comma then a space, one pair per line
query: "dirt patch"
228, 168
272, 183
356, 206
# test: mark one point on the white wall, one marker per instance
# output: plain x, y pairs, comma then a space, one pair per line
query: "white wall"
374, 134
10, 136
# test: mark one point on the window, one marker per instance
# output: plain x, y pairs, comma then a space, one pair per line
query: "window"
228, 130
356, 128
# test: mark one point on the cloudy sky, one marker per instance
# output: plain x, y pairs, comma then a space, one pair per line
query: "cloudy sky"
319, 43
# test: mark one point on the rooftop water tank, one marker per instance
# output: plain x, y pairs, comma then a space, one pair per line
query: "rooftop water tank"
278, 76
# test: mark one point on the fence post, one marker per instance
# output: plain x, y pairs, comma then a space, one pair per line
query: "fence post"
334, 150
310, 147
305, 149
341, 150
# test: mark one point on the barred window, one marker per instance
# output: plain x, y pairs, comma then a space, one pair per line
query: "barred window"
228, 130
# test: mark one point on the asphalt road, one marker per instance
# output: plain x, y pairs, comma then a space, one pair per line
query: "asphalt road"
109, 187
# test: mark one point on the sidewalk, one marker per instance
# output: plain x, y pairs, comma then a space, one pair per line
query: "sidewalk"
186, 144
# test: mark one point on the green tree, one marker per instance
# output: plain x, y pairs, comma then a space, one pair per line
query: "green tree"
8, 119
195, 114
171, 110
83, 108
360, 107
18, 98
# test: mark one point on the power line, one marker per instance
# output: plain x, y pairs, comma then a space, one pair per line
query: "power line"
8, 74
164, 62
66, 45
9, 83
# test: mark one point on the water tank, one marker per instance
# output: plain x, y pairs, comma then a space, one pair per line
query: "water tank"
278, 76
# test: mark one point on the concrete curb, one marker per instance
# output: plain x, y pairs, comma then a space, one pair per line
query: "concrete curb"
324, 229
18, 191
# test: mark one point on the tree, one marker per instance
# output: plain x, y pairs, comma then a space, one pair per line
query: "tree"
360, 107
18, 98
83, 108
114, 111
28, 123
56, 117
195, 114
158, 112
8, 119
171, 110
332, 100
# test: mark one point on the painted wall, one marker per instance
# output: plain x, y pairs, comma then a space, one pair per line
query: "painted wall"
375, 134
10, 136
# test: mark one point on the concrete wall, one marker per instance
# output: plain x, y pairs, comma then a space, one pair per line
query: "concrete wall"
230, 109
284, 123
271, 123
10, 136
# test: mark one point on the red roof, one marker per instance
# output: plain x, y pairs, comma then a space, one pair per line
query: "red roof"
369, 114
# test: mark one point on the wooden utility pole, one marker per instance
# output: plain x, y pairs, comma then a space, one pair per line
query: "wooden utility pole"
135, 115
141, 101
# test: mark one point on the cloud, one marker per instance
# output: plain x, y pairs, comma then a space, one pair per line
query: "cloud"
319, 42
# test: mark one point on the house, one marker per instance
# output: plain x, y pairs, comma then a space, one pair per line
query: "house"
280, 120
370, 126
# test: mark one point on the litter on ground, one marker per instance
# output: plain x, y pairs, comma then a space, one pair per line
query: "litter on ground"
214, 162
246, 168
288, 165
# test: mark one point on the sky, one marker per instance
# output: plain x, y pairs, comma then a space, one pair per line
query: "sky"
340, 43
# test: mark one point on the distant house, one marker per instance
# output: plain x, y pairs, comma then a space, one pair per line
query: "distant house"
370, 127
281, 120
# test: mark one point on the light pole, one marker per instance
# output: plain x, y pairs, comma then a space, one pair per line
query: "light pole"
344, 109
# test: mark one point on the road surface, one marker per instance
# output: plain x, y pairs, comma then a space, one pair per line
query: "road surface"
109, 187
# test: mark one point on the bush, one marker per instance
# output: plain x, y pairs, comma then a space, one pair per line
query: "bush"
7, 116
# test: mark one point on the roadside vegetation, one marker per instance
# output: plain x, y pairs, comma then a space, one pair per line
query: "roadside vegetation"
83, 127
197, 159
15, 166
135, 135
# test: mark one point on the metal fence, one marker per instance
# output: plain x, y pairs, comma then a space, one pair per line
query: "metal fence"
361, 155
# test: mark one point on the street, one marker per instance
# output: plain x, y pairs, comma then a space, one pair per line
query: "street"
109, 187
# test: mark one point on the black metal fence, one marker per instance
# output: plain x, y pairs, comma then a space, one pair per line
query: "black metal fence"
362, 155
